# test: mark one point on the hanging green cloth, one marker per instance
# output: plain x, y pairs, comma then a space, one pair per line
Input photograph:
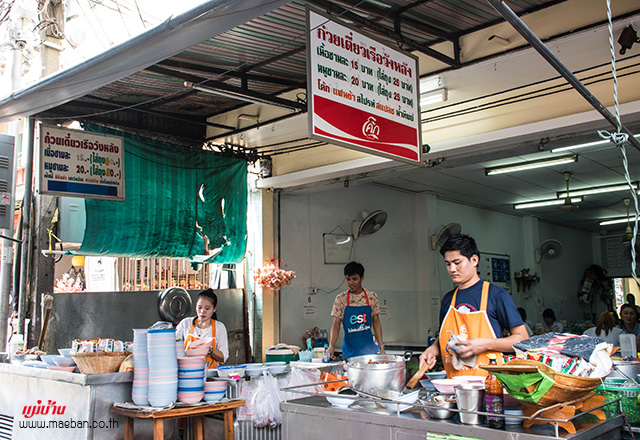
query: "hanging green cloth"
174, 197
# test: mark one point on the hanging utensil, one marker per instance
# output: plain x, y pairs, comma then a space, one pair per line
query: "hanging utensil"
47, 304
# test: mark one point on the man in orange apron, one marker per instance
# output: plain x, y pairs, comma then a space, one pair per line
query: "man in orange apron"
472, 316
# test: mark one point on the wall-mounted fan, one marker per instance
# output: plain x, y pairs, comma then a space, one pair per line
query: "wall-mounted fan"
437, 240
549, 250
567, 205
370, 224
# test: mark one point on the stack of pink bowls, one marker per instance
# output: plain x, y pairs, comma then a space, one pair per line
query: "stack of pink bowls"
139, 390
214, 390
191, 379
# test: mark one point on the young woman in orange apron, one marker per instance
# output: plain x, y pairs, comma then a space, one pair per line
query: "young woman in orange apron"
204, 324
473, 325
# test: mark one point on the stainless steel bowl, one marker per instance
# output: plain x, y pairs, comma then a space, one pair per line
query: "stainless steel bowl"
439, 409
376, 372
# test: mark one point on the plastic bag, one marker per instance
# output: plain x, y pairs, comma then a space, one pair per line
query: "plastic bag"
266, 403
299, 377
247, 391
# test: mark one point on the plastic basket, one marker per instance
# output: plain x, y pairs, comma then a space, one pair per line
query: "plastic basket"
99, 363
630, 401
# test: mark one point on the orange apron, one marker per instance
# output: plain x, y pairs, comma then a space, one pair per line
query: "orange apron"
474, 325
190, 338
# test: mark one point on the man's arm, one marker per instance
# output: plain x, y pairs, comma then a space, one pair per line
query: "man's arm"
335, 331
476, 346
377, 330
430, 354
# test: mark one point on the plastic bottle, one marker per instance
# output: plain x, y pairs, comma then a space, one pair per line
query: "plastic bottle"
493, 398
326, 357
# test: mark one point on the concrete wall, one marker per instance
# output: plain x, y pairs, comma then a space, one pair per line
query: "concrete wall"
408, 276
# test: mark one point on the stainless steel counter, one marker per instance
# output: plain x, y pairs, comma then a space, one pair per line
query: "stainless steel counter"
313, 418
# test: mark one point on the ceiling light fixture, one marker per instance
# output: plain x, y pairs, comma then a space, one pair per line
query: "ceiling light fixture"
579, 146
616, 221
240, 96
542, 203
512, 168
433, 97
596, 190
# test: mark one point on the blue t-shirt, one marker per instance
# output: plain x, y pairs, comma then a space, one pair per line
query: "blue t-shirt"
501, 309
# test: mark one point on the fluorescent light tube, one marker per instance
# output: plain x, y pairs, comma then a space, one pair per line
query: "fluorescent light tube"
588, 144
617, 220
433, 97
522, 166
596, 190
542, 203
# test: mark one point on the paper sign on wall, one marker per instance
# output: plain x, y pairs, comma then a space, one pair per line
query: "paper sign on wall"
362, 94
309, 311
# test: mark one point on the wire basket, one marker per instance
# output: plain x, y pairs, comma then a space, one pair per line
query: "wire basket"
99, 363
630, 401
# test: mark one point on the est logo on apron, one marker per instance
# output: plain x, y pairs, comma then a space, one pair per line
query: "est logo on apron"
472, 324
358, 339
190, 338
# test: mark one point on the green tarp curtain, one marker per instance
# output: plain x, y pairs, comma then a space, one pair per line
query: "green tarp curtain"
163, 214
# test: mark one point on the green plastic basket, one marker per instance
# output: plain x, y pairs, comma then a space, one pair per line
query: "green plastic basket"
630, 401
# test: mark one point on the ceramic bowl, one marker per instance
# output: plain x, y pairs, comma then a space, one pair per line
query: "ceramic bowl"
276, 367
192, 397
470, 379
35, 364
57, 368
48, 358
213, 397
62, 361
231, 370
202, 342
427, 385
401, 401
436, 375
513, 420
339, 400
254, 369
446, 386
66, 352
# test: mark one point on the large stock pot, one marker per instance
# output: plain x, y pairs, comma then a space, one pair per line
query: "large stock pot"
377, 372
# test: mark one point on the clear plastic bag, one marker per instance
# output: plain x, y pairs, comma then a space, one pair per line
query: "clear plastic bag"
299, 377
266, 403
247, 391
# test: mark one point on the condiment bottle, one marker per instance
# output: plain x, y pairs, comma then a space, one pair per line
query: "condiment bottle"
493, 398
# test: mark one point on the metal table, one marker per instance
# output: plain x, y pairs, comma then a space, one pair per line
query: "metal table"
313, 418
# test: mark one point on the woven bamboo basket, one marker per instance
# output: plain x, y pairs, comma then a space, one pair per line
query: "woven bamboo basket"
566, 387
99, 363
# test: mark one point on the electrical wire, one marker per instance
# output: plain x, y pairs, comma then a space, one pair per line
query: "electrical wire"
619, 139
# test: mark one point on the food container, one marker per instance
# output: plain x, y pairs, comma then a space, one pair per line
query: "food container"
400, 401
630, 368
280, 354
446, 386
443, 406
377, 372
229, 371
339, 400
255, 369
276, 367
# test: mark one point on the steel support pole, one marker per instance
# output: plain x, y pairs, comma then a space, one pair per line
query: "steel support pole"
25, 267
538, 45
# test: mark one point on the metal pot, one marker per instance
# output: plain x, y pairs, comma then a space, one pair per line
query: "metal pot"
630, 368
377, 372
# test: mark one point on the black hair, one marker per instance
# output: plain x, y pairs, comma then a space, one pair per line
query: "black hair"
548, 313
463, 243
211, 296
354, 268
628, 306
523, 314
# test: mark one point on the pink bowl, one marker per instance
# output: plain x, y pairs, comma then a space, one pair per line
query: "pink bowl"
57, 368
194, 397
200, 351
446, 386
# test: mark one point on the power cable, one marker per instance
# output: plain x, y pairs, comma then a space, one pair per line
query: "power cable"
620, 139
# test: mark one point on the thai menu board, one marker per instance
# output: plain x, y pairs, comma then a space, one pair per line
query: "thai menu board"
362, 94
79, 163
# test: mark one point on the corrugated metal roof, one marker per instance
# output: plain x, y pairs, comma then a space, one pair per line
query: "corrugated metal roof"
263, 58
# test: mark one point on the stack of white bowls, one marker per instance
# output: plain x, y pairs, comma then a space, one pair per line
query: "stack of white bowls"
140, 388
180, 348
214, 390
191, 379
163, 367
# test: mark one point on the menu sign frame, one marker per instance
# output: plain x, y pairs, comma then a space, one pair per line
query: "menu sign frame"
361, 93
78, 163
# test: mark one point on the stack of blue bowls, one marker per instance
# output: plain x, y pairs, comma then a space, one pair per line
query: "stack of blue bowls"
140, 388
191, 371
163, 367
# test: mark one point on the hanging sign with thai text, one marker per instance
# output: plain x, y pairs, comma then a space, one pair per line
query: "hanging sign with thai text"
78, 163
362, 94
